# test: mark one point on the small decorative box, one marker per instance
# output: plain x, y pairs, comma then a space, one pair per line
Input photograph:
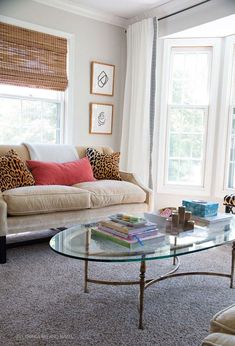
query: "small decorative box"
201, 208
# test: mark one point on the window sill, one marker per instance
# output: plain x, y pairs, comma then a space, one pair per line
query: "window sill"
183, 190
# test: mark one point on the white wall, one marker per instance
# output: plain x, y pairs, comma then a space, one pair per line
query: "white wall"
94, 40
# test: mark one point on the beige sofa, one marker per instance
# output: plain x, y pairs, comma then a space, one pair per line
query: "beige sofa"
222, 329
36, 208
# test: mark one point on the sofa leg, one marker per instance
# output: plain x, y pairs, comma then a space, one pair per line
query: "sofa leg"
3, 249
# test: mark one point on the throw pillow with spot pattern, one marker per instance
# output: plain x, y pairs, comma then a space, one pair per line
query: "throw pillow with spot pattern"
104, 166
14, 172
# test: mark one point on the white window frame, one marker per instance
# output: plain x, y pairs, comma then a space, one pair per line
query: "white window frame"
224, 122
68, 129
162, 186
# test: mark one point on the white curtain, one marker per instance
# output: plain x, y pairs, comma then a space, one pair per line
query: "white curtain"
135, 142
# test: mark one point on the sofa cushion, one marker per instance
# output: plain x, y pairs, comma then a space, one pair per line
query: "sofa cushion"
110, 192
14, 172
224, 321
104, 166
219, 339
45, 199
68, 173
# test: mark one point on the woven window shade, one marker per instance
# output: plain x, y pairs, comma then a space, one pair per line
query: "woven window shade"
32, 59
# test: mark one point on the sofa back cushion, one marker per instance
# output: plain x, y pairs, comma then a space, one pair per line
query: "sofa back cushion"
68, 173
23, 152
103, 150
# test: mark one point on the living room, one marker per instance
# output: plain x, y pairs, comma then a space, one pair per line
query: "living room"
137, 96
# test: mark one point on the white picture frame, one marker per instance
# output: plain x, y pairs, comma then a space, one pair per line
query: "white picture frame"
102, 78
101, 118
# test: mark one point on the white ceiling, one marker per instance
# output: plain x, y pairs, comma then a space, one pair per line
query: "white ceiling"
122, 8
218, 28
120, 12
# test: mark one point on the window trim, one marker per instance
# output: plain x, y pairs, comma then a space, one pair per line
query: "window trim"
68, 129
162, 187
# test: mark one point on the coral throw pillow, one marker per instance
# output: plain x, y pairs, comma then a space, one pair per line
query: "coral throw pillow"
14, 172
68, 173
105, 166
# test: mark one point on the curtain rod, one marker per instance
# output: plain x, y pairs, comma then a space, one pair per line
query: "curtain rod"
185, 9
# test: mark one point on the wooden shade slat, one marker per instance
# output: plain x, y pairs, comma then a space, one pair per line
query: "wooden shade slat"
32, 59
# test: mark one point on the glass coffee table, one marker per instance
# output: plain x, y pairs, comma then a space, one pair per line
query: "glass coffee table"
80, 243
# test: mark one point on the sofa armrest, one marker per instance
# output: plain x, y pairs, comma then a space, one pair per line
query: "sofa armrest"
3, 216
132, 178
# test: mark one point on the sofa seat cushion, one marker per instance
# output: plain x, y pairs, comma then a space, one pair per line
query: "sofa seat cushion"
45, 199
224, 321
219, 339
111, 192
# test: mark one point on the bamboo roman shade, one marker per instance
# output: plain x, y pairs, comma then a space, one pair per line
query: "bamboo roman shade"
32, 59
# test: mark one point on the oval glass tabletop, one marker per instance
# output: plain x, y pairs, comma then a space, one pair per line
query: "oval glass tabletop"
82, 242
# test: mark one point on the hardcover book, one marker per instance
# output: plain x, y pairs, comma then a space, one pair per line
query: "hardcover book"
220, 217
138, 241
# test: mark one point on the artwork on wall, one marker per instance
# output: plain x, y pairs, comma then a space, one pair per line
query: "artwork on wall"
102, 78
101, 118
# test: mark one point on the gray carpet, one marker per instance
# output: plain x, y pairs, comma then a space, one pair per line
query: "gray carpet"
42, 301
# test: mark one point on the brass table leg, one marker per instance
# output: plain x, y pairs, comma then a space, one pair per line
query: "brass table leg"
88, 239
142, 286
85, 277
232, 265
174, 258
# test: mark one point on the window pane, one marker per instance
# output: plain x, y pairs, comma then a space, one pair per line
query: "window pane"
26, 120
173, 170
190, 72
186, 145
174, 145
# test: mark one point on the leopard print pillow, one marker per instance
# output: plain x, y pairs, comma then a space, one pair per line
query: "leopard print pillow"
14, 172
104, 166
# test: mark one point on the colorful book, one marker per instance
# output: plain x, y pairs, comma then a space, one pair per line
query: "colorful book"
126, 229
128, 220
126, 242
220, 217
130, 236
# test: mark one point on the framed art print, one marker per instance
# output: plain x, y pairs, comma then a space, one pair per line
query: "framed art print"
101, 118
102, 78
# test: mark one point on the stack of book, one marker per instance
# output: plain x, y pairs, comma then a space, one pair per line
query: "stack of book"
128, 231
220, 218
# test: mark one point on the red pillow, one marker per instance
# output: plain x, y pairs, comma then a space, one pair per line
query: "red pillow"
68, 173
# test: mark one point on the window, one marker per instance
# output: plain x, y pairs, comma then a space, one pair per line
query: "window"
187, 114
30, 115
33, 81
188, 106
231, 160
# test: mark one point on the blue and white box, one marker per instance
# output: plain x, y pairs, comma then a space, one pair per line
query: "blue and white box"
201, 208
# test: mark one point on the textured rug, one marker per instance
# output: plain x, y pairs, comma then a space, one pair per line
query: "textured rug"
42, 301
